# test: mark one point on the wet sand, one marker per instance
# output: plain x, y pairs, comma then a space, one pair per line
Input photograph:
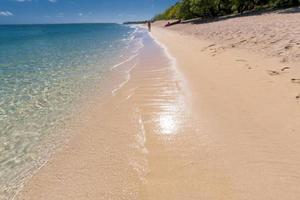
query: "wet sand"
107, 157
217, 124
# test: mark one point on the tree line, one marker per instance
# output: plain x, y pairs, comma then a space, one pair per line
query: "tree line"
187, 9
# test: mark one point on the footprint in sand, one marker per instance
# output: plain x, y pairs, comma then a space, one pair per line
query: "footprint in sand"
248, 66
287, 47
205, 48
295, 80
216, 50
243, 60
273, 73
284, 69
276, 73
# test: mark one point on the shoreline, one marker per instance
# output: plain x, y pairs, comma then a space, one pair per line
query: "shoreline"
107, 149
40, 98
223, 127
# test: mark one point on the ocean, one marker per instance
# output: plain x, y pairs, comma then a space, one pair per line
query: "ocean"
45, 70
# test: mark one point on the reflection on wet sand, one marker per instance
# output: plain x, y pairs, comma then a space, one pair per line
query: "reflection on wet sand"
118, 142
167, 124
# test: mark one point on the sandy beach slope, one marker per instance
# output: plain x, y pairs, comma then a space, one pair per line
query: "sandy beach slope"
274, 34
223, 125
249, 101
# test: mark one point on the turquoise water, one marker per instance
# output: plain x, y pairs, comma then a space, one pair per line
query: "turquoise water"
44, 71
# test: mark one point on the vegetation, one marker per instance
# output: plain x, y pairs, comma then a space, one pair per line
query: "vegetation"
187, 9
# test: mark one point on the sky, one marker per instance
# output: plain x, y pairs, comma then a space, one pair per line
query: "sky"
79, 11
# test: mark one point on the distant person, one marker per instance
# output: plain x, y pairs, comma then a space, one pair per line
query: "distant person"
149, 26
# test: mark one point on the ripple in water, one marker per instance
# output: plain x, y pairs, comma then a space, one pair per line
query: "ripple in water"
44, 70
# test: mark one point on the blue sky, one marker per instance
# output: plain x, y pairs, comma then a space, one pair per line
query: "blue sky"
79, 11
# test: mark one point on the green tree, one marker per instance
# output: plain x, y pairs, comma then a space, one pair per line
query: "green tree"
224, 7
285, 3
170, 13
185, 10
203, 8
243, 5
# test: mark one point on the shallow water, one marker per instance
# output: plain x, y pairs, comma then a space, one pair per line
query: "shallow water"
109, 156
45, 70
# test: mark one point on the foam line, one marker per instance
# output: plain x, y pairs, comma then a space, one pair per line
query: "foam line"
173, 63
125, 82
123, 62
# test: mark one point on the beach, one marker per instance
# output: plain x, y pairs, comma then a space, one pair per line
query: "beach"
204, 111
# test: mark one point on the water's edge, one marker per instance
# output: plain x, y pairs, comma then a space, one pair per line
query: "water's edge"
55, 139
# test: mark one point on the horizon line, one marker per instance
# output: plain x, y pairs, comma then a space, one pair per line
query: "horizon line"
60, 23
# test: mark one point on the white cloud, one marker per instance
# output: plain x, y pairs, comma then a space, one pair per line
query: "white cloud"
80, 14
52, 1
6, 13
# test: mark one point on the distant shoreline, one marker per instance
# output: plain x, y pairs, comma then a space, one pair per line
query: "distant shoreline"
135, 22
46, 24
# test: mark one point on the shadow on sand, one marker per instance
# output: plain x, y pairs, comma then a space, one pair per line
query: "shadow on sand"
290, 10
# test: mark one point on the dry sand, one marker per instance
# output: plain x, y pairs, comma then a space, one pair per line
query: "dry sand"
275, 33
225, 126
